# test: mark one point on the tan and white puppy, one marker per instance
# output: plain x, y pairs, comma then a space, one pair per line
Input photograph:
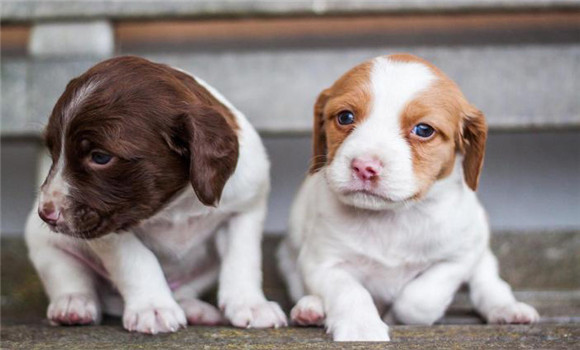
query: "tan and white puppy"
156, 190
388, 214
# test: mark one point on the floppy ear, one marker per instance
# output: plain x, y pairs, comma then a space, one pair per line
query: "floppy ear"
473, 137
213, 152
318, 133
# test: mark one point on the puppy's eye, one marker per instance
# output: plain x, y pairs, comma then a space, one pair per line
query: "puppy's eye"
345, 118
423, 130
100, 158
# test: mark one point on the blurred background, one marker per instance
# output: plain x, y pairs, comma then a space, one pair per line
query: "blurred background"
518, 61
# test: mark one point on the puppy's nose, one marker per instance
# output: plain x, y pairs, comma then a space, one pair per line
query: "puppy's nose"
48, 213
366, 168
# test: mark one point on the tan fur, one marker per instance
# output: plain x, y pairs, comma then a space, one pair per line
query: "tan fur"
351, 92
457, 124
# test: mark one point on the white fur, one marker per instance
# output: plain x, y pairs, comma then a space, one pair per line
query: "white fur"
186, 243
361, 253
79, 97
379, 137
57, 188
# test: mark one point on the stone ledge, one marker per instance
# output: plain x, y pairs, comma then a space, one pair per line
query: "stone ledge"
543, 268
34, 10
514, 85
38, 336
550, 255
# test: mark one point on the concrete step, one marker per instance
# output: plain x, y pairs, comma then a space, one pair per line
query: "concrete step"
33, 10
523, 87
111, 336
544, 269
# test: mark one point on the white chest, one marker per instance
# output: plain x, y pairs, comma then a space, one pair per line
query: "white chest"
385, 252
182, 236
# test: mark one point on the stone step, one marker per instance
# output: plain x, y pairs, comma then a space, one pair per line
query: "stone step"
111, 336
34, 10
522, 87
544, 269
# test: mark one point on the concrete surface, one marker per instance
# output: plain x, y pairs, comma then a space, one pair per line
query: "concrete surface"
516, 86
27, 10
549, 281
403, 337
88, 38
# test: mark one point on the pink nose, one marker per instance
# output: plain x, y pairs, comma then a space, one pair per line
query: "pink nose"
366, 168
49, 214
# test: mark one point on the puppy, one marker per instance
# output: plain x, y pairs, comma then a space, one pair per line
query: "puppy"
388, 214
156, 190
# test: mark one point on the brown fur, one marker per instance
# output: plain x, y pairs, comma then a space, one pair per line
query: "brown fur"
457, 123
163, 129
351, 92
459, 126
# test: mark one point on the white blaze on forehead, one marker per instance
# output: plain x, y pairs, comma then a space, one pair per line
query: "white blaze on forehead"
57, 188
80, 95
393, 85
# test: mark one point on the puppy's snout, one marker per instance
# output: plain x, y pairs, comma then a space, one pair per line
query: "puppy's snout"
49, 213
366, 169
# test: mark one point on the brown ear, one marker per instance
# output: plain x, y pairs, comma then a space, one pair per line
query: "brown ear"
319, 134
213, 152
474, 135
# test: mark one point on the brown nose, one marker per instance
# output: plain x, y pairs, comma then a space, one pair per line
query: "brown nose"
49, 214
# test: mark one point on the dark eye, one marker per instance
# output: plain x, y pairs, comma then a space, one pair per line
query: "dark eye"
345, 118
101, 158
423, 130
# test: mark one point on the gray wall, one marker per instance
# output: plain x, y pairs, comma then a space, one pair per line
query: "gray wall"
531, 181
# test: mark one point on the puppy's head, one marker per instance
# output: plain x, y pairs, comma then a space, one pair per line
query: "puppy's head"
124, 138
389, 128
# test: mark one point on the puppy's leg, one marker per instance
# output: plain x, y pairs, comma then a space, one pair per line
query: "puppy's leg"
240, 293
351, 314
309, 311
135, 271
286, 258
70, 284
493, 297
425, 299
199, 312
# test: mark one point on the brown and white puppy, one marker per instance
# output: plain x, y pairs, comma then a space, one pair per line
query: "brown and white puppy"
156, 190
388, 214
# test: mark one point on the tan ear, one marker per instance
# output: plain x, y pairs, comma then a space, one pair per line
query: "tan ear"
318, 133
213, 152
473, 137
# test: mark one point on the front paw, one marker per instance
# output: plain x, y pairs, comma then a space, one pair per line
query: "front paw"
74, 309
359, 330
309, 311
263, 314
517, 313
154, 317
201, 313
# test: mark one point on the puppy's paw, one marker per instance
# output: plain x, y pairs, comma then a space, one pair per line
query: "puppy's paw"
359, 330
309, 311
264, 314
154, 318
74, 309
518, 313
199, 312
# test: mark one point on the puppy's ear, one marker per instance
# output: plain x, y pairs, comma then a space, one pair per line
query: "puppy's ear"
472, 143
318, 133
213, 149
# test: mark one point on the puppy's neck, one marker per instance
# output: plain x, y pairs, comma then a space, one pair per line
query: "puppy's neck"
449, 187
